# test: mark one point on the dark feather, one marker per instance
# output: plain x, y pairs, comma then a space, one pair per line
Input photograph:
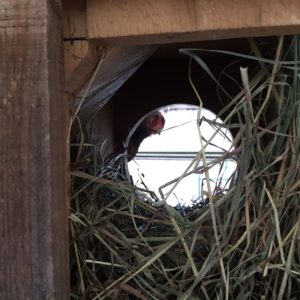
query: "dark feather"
151, 125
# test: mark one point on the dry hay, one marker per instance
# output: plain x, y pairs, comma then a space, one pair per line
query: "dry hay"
244, 245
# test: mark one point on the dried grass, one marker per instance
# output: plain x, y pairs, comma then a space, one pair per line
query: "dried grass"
244, 245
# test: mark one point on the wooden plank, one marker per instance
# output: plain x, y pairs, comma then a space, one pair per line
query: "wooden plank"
80, 59
74, 53
152, 21
74, 19
33, 152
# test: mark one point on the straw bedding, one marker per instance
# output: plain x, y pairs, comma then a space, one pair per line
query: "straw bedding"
245, 244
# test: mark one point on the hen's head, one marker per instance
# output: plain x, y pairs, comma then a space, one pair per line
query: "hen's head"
155, 123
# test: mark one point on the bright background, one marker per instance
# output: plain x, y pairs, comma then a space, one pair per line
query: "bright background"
162, 158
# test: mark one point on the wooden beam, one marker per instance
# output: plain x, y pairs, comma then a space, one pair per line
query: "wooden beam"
152, 21
80, 59
74, 53
33, 152
74, 19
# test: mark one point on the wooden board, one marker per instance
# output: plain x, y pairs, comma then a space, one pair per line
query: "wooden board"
74, 53
33, 152
152, 21
74, 19
80, 58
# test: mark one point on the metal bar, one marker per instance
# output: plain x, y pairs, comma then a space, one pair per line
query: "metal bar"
166, 155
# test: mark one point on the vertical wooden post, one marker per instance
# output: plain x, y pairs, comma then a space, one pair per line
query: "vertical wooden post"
33, 152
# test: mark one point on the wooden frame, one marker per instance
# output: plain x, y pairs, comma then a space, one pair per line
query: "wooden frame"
33, 152
34, 113
165, 21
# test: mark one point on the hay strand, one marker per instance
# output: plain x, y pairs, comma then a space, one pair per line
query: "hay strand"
245, 244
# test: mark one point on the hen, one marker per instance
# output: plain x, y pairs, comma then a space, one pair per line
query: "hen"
151, 125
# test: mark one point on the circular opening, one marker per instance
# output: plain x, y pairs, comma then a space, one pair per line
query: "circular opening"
167, 163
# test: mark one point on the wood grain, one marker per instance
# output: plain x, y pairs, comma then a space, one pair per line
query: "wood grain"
151, 21
74, 53
33, 152
74, 19
80, 59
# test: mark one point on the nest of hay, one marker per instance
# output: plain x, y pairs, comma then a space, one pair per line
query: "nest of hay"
245, 244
